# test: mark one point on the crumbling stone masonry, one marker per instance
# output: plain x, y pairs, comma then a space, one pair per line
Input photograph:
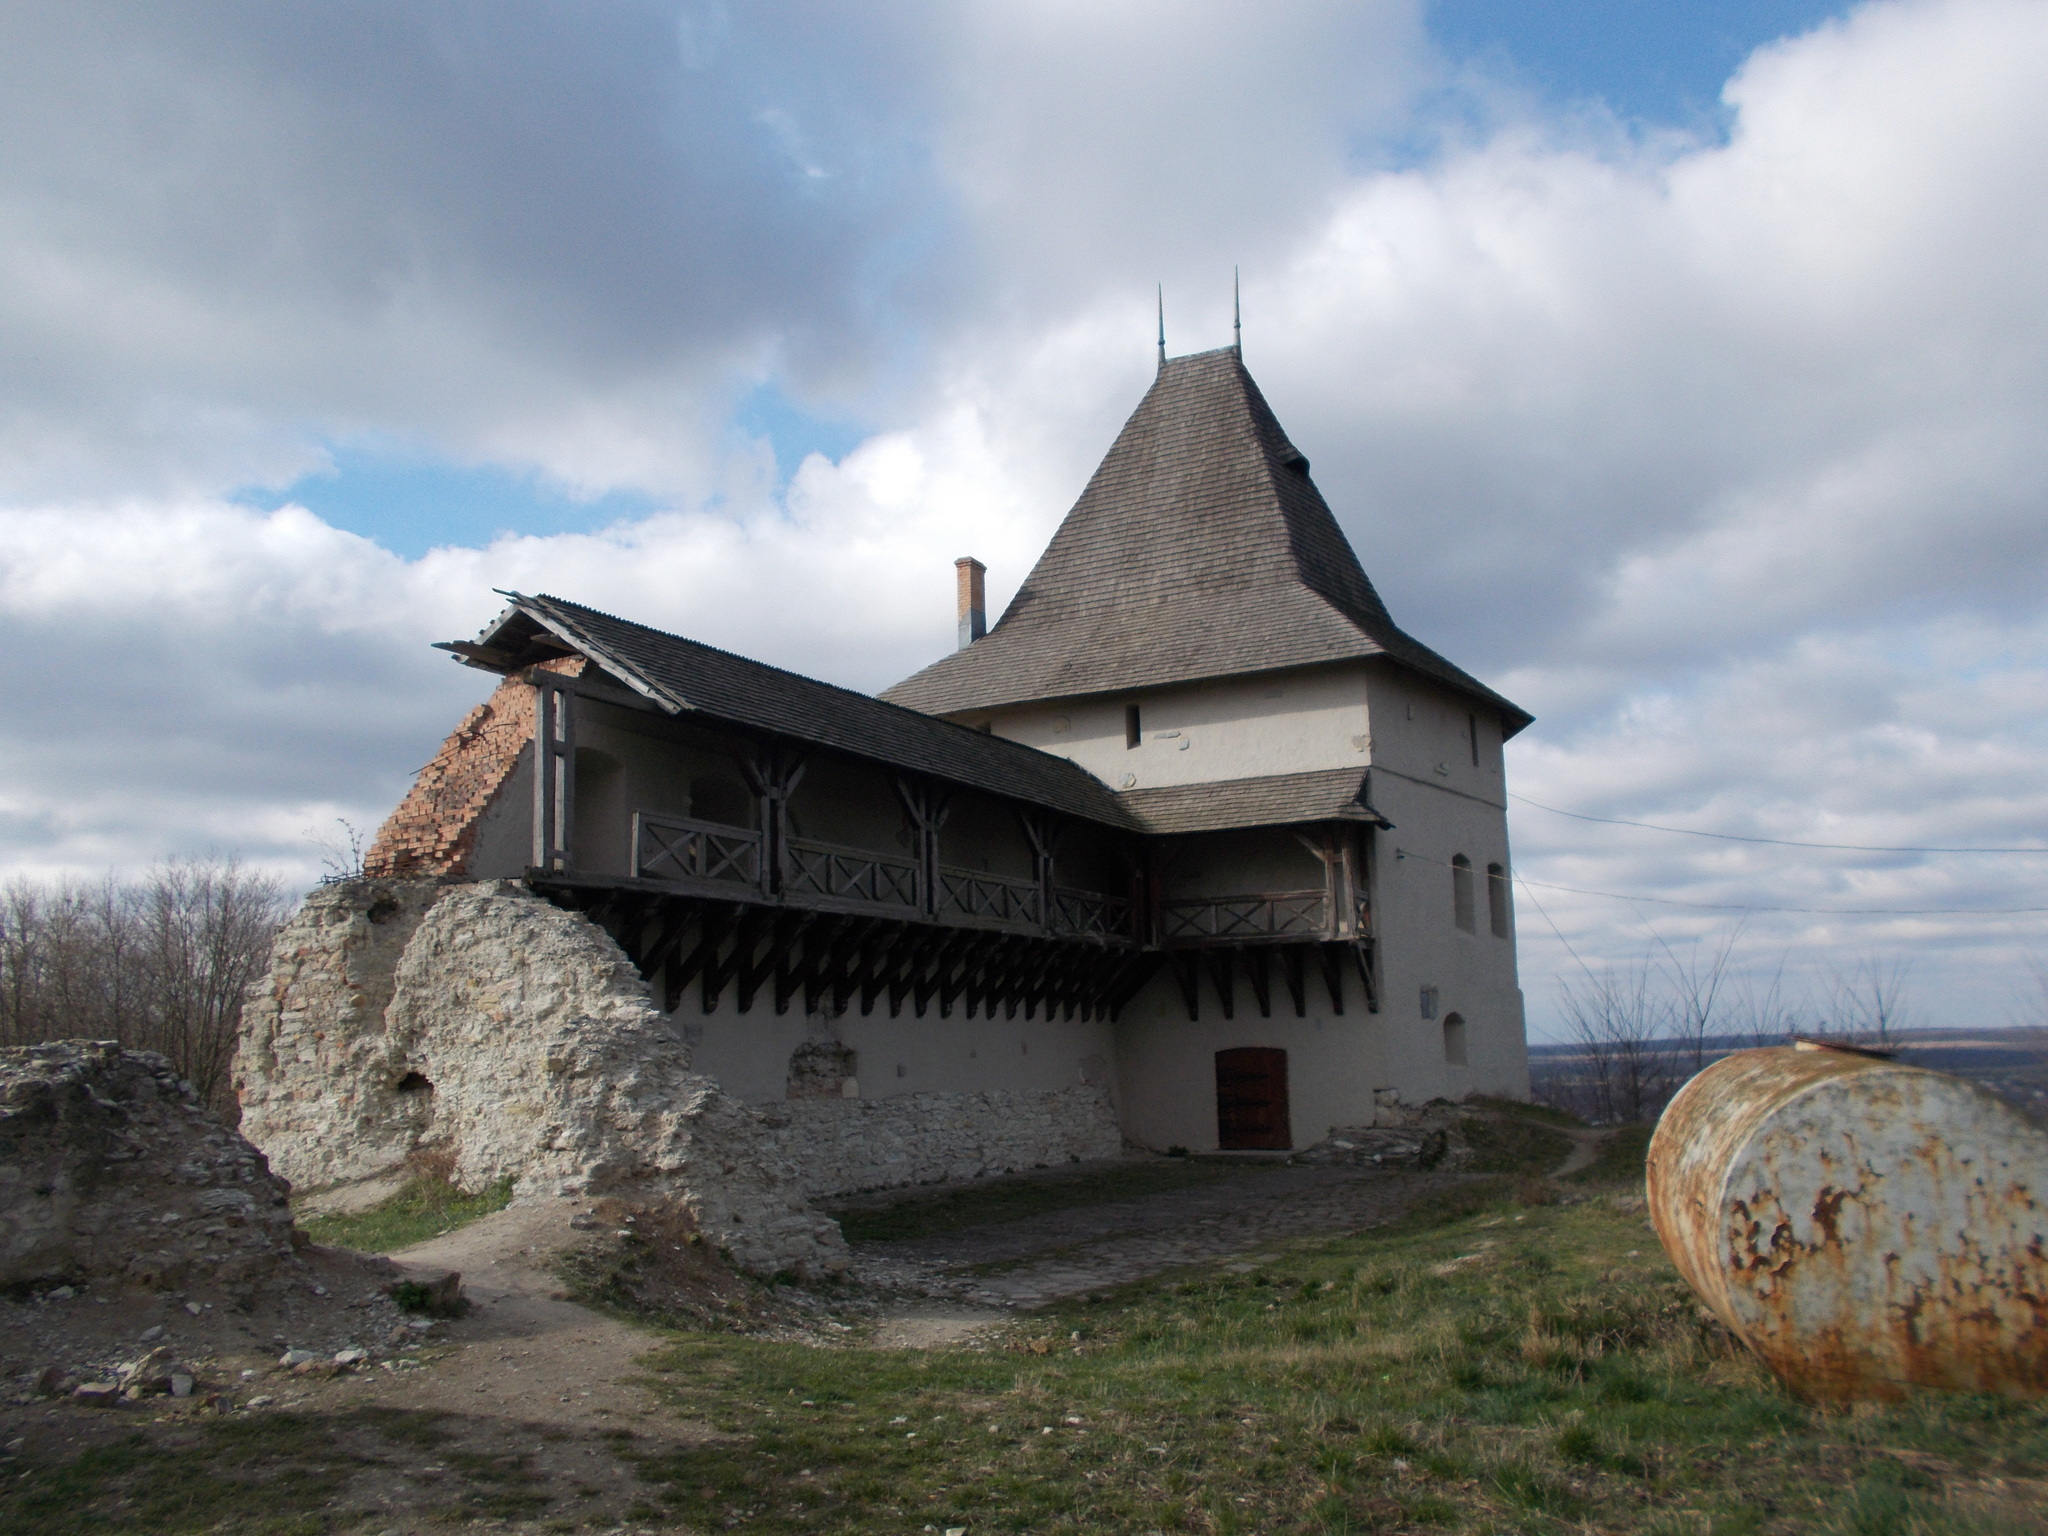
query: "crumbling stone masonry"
110, 1166
483, 1021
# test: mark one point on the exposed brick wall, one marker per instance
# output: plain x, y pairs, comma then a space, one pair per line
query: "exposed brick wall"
434, 828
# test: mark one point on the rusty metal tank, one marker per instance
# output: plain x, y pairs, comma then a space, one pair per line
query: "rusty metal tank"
1863, 1225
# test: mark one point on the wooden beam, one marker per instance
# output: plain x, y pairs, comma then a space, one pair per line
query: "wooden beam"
781, 934
1255, 973
907, 966
716, 922
675, 922
882, 958
721, 964
1294, 970
1129, 978
817, 963
1221, 967
634, 923
1187, 971
1333, 974
1362, 950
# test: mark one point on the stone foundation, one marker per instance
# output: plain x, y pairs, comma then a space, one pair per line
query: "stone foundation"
516, 1038
840, 1146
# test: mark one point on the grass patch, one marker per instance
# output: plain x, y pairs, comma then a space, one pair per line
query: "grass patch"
272, 1474
1494, 1367
1507, 1141
1549, 1114
1620, 1159
1510, 1369
427, 1205
1014, 1199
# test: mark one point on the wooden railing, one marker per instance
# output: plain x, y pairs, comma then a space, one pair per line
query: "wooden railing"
984, 898
849, 874
1267, 915
682, 849
678, 848
1089, 914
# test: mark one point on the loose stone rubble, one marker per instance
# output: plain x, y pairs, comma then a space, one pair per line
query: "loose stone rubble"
1423, 1136
110, 1166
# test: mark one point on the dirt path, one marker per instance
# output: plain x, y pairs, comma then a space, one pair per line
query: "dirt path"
1018, 1265
523, 1350
1586, 1145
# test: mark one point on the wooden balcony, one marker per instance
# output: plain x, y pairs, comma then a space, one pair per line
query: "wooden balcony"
722, 907
710, 858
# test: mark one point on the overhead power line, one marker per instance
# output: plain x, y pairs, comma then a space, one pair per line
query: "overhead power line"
1739, 906
1743, 906
1775, 842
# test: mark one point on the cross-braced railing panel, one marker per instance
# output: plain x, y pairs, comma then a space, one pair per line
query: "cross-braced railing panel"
1266, 915
981, 897
849, 874
678, 848
1090, 914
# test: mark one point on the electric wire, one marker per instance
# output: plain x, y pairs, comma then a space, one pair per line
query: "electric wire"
1736, 837
1741, 906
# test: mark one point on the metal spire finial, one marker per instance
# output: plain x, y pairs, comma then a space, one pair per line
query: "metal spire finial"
1162, 326
1236, 316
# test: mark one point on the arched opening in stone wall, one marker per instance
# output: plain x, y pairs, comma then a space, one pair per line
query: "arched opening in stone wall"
413, 1082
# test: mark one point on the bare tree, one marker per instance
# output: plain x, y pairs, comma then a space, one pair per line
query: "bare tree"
1869, 1001
1696, 981
1758, 1013
204, 929
160, 964
341, 851
1619, 1025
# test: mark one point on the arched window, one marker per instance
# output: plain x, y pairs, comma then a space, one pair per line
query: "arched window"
1497, 909
1461, 894
1454, 1039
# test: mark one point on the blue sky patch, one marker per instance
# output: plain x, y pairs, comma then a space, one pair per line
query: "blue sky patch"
409, 503
1658, 62
794, 433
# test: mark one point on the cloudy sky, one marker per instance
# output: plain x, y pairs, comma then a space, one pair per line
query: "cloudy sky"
1678, 369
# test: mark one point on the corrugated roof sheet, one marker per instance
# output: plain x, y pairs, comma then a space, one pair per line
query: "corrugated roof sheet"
687, 675
1275, 800
1201, 548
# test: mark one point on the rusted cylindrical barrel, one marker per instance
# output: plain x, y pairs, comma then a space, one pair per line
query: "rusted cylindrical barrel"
1863, 1225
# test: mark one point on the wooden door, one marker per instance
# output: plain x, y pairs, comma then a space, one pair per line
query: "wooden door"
1251, 1100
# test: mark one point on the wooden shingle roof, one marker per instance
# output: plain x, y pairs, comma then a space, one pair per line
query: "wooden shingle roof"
1273, 800
688, 677
1200, 549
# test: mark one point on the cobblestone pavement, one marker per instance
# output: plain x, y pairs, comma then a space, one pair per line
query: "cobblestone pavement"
1045, 1258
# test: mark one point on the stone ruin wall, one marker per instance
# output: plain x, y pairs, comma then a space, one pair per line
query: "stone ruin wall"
111, 1167
482, 1020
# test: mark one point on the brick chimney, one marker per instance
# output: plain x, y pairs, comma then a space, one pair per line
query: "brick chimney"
973, 590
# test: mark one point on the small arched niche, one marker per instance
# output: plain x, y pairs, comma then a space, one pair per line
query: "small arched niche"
1454, 1040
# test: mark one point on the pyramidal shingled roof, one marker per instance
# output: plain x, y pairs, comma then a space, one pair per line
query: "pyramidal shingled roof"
1200, 549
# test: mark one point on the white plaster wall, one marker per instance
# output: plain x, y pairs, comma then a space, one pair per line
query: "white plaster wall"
1424, 730
1437, 815
504, 834
1167, 1064
1232, 728
748, 1053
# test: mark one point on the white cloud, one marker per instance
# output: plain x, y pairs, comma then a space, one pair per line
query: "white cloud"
1723, 457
